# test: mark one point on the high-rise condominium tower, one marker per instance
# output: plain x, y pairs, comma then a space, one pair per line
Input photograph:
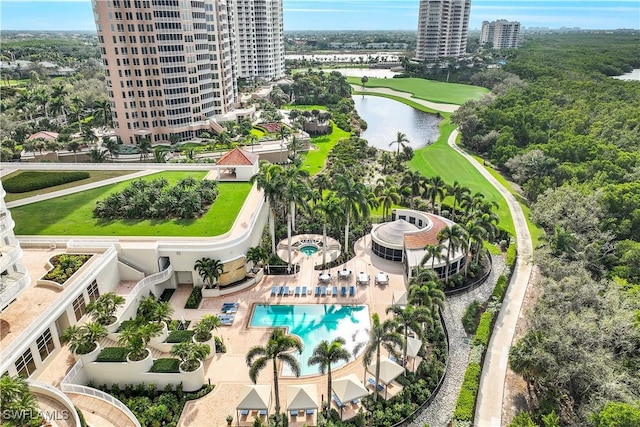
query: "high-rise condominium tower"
260, 39
443, 28
502, 34
172, 65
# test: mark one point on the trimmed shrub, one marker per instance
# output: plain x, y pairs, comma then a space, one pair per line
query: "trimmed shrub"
466, 403
483, 333
165, 366
470, 317
194, 299
500, 289
179, 336
31, 181
112, 354
512, 254
64, 266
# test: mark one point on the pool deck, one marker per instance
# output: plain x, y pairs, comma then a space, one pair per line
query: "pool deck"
229, 371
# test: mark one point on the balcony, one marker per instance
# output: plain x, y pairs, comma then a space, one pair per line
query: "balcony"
9, 255
12, 285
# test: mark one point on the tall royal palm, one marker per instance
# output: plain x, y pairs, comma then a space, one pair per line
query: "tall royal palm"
295, 190
328, 209
381, 335
269, 180
453, 237
474, 234
400, 141
387, 196
410, 319
414, 181
327, 353
277, 349
427, 294
435, 188
458, 192
432, 252
354, 198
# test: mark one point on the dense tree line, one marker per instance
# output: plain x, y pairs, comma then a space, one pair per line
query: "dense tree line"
569, 136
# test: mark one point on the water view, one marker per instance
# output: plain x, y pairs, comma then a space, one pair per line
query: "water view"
633, 75
386, 117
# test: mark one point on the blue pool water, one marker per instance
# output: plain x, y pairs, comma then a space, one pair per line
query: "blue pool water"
308, 250
314, 323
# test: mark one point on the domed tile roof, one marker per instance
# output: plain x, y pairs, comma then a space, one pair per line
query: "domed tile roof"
393, 232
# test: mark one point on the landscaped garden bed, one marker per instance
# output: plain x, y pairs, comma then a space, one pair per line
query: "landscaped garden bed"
64, 266
112, 354
33, 180
179, 336
166, 366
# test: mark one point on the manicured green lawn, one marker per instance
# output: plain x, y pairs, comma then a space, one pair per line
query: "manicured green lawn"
259, 133
73, 215
95, 176
439, 159
306, 107
315, 160
430, 90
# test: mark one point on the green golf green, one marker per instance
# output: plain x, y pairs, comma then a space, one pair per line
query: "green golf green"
72, 215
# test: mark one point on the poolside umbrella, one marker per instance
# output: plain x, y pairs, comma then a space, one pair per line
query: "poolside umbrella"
348, 388
413, 347
255, 397
399, 298
302, 397
389, 371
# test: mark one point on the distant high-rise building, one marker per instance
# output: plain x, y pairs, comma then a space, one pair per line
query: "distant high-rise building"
443, 28
502, 34
172, 65
260, 39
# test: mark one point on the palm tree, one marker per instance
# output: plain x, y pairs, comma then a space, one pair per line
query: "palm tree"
256, 254
427, 294
414, 181
136, 337
432, 252
435, 187
74, 146
269, 180
385, 160
17, 405
381, 335
354, 198
209, 270
387, 196
328, 209
104, 308
327, 353
458, 192
145, 147
103, 107
97, 155
364, 80
111, 145
473, 233
408, 319
277, 349
202, 329
454, 236
400, 141
83, 339
190, 354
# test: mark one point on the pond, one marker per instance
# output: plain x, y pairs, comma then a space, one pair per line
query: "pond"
386, 117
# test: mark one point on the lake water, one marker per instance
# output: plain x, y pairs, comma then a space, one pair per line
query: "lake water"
386, 117
633, 75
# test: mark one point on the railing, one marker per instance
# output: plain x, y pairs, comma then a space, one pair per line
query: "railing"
49, 391
489, 266
153, 279
69, 387
134, 265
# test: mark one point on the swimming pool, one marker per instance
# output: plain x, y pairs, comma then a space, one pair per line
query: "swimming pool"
314, 323
309, 250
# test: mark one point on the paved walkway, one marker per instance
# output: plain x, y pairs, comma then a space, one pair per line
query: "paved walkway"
447, 108
490, 395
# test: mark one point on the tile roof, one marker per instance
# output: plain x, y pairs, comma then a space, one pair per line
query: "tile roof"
43, 135
420, 239
238, 157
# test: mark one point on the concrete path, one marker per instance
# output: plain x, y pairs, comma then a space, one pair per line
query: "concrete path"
78, 189
490, 395
447, 108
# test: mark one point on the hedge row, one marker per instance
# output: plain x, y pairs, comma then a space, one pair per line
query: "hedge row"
112, 354
165, 366
512, 254
466, 403
500, 289
32, 181
179, 336
483, 332
194, 299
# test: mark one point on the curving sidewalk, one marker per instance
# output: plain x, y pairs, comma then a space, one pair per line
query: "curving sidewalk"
491, 392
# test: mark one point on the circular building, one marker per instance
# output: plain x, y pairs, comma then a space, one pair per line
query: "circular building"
404, 238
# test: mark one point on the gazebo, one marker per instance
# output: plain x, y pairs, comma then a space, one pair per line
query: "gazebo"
302, 398
238, 165
389, 371
348, 389
255, 398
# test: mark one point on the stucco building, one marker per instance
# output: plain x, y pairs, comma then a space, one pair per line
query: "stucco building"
443, 29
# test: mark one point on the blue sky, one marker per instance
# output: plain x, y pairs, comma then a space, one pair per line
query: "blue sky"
357, 14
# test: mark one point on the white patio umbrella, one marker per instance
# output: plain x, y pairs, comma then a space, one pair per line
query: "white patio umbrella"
389, 371
413, 347
399, 298
302, 397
